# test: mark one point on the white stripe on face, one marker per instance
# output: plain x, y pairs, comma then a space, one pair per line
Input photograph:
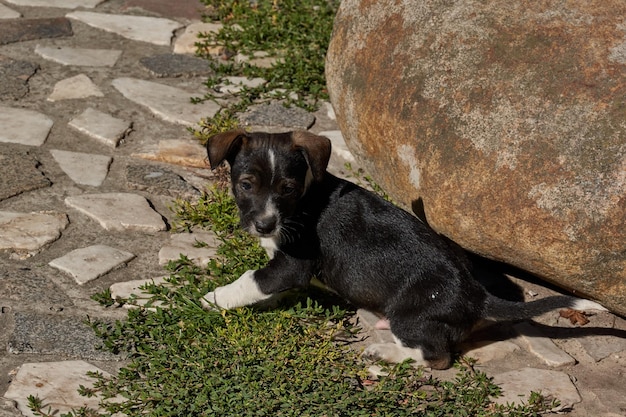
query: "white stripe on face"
272, 159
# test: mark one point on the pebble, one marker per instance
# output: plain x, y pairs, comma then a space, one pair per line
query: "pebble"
101, 126
78, 86
83, 168
79, 56
169, 103
19, 30
155, 30
29, 232
56, 384
13, 121
92, 262
119, 211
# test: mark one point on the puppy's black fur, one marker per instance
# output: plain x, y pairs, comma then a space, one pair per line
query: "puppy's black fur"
372, 253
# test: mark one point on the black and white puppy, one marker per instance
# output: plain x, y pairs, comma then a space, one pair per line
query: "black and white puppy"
372, 253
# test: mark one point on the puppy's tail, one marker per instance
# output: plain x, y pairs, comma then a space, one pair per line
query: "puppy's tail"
502, 310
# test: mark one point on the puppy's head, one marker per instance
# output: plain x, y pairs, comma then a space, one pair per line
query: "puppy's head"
270, 173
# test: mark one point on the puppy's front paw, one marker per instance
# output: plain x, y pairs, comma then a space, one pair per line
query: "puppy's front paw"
208, 302
393, 353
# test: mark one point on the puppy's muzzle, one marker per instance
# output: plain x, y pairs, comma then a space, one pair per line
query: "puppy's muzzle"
266, 225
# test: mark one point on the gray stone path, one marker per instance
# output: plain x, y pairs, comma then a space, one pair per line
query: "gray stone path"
94, 147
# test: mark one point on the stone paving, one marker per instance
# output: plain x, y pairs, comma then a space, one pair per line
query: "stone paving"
94, 148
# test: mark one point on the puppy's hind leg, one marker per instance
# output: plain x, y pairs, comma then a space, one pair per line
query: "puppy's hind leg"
242, 292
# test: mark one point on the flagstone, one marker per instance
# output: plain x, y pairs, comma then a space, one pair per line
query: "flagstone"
275, 114
183, 152
119, 211
56, 384
80, 56
199, 247
79, 86
83, 168
15, 75
8, 13
20, 30
14, 122
130, 290
19, 172
169, 103
63, 4
101, 126
518, 384
155, 30
542, 346
30, 231
92, 262
489, 350
234, 85
185, 43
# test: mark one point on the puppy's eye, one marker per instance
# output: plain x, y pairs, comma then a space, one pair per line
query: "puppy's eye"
288, 189
245, 185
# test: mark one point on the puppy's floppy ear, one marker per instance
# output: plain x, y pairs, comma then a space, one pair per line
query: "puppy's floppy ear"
224, 146
316, 151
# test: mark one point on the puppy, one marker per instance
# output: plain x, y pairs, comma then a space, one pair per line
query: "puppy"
372, 253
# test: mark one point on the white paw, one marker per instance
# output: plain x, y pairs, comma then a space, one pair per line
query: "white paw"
584, 305
208, 301
394, 353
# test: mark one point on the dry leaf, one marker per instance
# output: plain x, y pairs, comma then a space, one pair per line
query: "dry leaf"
574, 316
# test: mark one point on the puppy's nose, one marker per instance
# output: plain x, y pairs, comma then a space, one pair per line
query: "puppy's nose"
265, 225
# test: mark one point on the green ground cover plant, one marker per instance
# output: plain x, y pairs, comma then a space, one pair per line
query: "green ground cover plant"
293, 359
294, 32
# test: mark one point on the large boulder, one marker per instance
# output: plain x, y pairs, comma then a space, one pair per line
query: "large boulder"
502, 123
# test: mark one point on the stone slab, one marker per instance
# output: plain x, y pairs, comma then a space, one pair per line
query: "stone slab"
63, 4
54, 334
92, 262
101, 126
56, 384
7, 13
488, 351
20, 30
19, 172
187, 244
78, 86
175, 65
542, 346
8, 408
155, 30
80, 56
518, 384
131, 290
234, 85
186, 42
169, 103
119, 211
275, 114
14, 121
188, 153
29, 232
158, 180
15, 75
83, 168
